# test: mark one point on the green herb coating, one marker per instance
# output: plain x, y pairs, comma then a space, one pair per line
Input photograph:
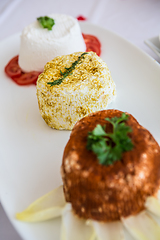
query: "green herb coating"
109, 146
68, 71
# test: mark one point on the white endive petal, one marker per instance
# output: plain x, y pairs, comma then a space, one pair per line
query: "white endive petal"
153, 208
74, 228
47, 207
142, 227
153, 205
109, 231
158, 194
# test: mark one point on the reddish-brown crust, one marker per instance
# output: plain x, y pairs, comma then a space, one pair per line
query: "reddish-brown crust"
106, 193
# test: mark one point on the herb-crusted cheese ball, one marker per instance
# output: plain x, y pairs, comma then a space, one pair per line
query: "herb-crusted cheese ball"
73, 86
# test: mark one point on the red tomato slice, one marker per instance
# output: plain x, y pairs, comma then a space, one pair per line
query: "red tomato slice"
81, 18
94, 48
12, 69
92, 43
91, 39
27, 78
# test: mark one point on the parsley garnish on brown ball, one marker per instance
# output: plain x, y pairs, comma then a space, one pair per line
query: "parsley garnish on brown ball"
109, 146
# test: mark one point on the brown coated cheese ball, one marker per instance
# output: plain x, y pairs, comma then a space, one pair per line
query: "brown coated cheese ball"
107, 193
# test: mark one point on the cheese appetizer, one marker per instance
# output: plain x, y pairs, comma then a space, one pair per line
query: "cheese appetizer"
72, 86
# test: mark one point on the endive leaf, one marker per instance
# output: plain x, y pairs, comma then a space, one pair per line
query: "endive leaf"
111, 230
142, 227
47, 207
74, 228
153, 205
158, 194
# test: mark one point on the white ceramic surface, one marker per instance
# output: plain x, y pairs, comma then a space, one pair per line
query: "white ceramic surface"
154, 44
31, 152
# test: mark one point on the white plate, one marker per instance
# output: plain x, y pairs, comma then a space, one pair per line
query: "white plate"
154, 44
31, 152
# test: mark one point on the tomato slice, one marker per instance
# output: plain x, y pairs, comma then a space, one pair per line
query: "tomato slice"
91, 39
12, 69
94, 48
27, 78
92, 43
81, 18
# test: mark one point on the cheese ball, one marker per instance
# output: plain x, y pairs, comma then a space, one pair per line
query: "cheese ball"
109, 192
86, 87
40, 45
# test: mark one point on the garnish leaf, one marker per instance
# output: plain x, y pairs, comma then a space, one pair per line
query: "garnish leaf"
46, 22
109, 146
99, 131
68, 71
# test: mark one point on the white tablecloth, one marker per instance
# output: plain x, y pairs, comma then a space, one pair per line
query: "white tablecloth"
135, 20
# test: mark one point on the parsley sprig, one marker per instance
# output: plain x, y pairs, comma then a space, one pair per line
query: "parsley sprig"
46, 22
109, 146
68, 71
